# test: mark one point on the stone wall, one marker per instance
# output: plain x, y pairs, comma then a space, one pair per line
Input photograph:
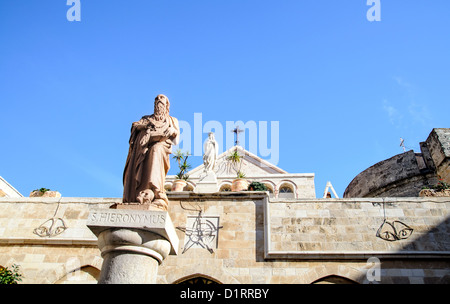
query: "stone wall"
345, 229
259, 240
438, 143
301, 241
69, 256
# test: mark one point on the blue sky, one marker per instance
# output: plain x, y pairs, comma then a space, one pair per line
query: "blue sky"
343, 89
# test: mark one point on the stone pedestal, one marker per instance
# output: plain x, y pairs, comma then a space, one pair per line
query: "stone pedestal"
132, 243
207, 183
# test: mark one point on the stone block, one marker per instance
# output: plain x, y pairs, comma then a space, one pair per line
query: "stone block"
207, 184
438, 143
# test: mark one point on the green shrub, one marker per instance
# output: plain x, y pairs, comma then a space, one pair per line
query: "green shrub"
440, 186
10, 276
257, 186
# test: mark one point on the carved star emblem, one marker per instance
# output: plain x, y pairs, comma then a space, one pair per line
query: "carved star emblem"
202, 233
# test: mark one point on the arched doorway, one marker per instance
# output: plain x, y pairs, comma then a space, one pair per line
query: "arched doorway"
83, 275
197, 279
334, 279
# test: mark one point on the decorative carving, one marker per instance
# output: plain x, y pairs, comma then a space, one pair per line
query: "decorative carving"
51, 227
203, 232
393, 231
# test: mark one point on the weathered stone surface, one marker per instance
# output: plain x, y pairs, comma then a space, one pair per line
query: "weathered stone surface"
431, 193
398, 176
439, 145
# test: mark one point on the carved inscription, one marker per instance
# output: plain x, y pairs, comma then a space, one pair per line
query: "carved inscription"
126, 218
158, 222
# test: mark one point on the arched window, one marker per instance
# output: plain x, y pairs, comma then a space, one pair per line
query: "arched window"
225, 188
188, 187
269, 189
83, 275
286, 191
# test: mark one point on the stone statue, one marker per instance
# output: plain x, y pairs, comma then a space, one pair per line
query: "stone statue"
211, 152
148, 159
207, 182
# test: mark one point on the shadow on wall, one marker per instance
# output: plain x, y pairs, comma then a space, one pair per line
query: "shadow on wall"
416, 270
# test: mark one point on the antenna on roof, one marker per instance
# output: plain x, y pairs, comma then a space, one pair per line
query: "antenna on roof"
402, 144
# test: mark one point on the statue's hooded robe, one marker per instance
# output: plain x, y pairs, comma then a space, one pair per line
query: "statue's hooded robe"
148, 158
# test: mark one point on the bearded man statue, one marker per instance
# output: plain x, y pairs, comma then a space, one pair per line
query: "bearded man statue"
148, 158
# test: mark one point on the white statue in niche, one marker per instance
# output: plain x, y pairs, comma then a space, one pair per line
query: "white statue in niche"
211, 153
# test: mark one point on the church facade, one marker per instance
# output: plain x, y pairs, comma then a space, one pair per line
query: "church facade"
279, 183
279, 236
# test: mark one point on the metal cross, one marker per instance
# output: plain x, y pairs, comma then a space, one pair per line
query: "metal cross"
236, 131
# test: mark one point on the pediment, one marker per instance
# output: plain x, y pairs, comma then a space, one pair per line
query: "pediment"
6, 190
252, 165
